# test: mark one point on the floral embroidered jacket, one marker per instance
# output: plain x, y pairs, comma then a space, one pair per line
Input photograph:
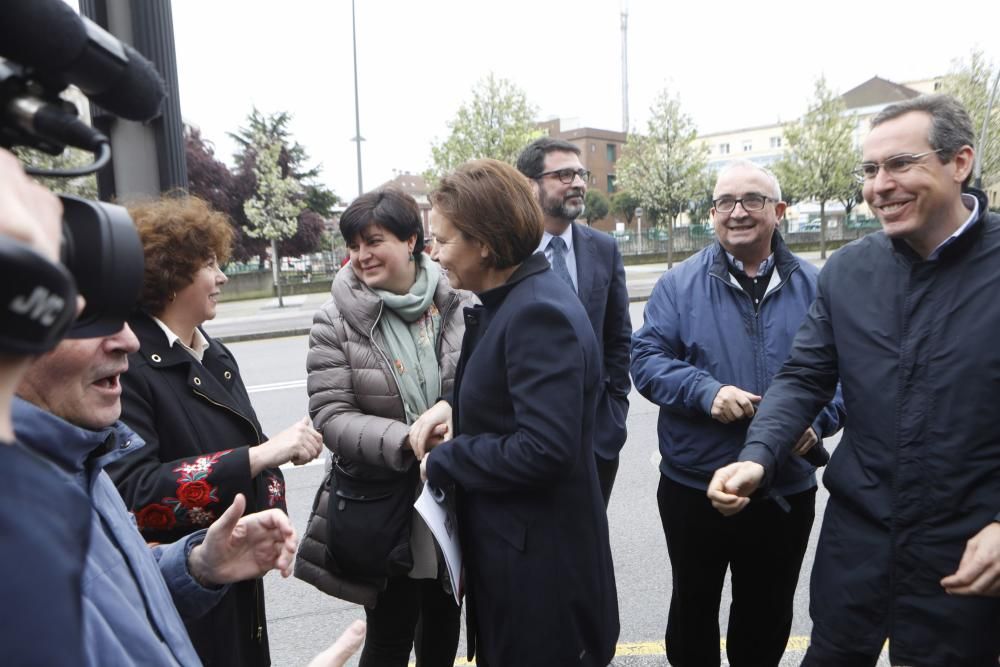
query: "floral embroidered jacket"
198, 424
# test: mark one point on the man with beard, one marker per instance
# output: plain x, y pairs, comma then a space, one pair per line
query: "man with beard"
907, 320
589, 262
716, 330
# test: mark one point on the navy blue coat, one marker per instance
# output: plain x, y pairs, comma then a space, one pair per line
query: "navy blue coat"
917, 473
540, 583
600, 276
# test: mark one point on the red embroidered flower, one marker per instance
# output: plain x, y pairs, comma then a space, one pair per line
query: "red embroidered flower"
195, 494
275, 491
155, 517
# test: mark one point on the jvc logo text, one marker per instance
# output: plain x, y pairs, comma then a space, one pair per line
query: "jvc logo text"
42, 306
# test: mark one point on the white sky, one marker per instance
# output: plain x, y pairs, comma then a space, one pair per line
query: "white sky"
733, 63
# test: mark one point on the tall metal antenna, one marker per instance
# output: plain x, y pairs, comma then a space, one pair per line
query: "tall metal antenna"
625, 66
357, 113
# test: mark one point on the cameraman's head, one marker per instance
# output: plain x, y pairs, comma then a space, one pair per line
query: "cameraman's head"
79, 380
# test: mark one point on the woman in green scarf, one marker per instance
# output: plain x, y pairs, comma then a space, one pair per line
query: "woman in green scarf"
381, 351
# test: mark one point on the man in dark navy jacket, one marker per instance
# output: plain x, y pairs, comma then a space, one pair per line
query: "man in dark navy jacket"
590, 263
907, 320
716, 330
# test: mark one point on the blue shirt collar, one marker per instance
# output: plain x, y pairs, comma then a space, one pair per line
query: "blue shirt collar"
762, 270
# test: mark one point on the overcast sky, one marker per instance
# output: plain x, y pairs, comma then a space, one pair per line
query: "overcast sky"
734, 64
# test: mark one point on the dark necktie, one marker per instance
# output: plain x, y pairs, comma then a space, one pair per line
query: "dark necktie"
559, 260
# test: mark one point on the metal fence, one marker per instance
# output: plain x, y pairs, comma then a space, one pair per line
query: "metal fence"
690, 239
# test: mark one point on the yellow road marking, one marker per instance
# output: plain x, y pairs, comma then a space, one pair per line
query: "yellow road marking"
658, 648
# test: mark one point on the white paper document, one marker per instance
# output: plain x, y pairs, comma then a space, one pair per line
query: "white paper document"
444, 526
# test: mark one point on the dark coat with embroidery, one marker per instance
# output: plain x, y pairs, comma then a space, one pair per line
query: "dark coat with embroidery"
198, 424
534, 532
917, 473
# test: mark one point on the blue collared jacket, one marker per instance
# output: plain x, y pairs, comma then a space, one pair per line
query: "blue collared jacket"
701, 332
134, 595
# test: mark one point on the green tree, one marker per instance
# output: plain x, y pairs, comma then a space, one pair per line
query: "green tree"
293, 164
624, 203
971, 82
292, 157
71, 158
821, 155
273, 210
699, 208
596, 206
663, 167
497, 123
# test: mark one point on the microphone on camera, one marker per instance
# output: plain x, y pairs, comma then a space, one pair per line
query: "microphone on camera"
61, 47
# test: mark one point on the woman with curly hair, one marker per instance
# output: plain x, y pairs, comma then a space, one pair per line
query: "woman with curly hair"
184, 396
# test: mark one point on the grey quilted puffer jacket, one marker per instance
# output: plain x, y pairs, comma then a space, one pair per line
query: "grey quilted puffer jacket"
354, 402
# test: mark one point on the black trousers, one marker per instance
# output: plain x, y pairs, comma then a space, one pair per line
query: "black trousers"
763, 546
606, 473
412, 612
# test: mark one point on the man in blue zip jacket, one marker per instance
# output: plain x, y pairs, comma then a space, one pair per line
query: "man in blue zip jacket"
906, 319
716, 330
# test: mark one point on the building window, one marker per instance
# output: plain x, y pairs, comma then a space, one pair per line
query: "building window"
611, 182
747, 145
593, 148
775, 142
611, 152
723, 149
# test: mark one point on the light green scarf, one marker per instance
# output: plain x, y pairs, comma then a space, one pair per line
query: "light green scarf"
409, 325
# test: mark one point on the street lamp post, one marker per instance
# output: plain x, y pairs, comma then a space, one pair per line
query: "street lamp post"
638, 221
357, 113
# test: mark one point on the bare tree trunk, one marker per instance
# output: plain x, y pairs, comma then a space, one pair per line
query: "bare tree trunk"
822, 230
274, 271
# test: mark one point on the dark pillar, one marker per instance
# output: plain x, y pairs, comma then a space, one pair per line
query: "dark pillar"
147, 159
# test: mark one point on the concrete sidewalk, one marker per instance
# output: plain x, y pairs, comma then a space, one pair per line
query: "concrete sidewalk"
253, 319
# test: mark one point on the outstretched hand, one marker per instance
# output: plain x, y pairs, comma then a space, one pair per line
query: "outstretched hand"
346, 645
238, 547
732, 486
979, 571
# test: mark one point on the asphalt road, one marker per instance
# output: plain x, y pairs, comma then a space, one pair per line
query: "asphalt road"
302, 621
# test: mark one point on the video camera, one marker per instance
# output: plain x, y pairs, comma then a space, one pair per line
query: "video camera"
45, 46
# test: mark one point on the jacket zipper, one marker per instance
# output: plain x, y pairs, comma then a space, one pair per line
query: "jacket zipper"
756, 315
257, 583
256, 610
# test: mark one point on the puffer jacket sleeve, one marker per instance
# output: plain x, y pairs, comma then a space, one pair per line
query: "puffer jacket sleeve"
333, 388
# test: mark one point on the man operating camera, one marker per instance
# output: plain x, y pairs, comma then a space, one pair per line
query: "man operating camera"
72, 537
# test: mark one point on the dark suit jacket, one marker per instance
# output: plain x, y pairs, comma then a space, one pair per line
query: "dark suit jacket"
600, 276
539, 577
